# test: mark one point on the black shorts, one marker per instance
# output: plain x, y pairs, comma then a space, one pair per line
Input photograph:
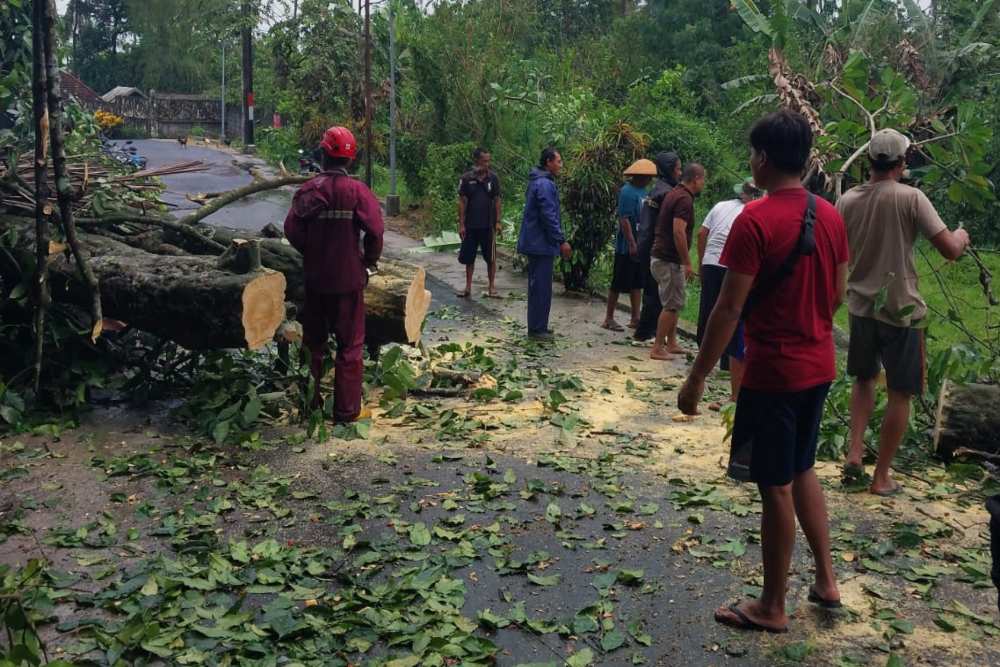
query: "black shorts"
479, 238
627, 274
781, 430
900, 350
711, 284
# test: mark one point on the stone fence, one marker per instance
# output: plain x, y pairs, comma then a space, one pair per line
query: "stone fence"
168, 115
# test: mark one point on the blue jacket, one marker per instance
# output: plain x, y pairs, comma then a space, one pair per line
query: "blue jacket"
541, 226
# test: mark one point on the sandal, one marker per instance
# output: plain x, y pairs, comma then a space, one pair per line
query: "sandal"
823, 602
852, 472
612, 326
895, 490
745, 623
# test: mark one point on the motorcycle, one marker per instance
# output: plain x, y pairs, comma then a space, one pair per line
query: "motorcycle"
309, 162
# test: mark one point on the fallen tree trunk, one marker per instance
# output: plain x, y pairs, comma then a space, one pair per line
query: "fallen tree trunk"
967, 416
396, 298
186, 299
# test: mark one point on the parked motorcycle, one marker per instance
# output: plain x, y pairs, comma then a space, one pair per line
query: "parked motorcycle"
309, 163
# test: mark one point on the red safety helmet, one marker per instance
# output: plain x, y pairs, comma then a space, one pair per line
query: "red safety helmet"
339, 142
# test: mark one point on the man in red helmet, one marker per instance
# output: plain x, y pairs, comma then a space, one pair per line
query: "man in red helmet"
328, 214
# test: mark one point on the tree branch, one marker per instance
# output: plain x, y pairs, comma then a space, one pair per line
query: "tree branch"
866, 112
240, 193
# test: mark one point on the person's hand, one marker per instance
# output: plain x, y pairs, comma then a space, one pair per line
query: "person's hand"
461, 231
690, 395
566, 251
633, 249
499, 230
963, 237
689, 272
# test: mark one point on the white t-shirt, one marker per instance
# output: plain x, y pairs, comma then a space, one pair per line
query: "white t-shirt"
718, 222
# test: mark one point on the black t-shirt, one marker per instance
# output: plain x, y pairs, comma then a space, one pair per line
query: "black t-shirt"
480, 196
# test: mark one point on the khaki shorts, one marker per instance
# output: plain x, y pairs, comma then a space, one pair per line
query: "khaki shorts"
671, 282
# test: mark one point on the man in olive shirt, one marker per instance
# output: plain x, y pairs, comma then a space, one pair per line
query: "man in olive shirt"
884, 219
670, 263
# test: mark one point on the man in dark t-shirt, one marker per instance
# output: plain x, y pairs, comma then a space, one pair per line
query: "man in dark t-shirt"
670, 261
479, 209
790, 360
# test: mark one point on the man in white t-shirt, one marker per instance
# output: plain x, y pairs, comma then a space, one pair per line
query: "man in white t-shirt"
711, 240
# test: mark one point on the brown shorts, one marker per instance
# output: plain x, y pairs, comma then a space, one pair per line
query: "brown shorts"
671, 282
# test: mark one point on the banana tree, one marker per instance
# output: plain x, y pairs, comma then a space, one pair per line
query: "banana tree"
590, 196
852, 95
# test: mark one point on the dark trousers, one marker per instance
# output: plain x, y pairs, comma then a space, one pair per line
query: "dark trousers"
343, 315
539, 292
651, 306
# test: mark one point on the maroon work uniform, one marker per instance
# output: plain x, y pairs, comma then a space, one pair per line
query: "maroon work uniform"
328, 214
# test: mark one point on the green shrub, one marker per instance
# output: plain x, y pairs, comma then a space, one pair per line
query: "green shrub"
279, 144
441, 172
411, 151
197, 131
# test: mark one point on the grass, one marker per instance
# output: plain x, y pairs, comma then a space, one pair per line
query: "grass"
961, 292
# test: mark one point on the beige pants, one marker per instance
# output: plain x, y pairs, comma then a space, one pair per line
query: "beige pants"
671, 282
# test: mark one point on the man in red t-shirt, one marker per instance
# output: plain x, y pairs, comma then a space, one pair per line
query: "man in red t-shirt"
789, 360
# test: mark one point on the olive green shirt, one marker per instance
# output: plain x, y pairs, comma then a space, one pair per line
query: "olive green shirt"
883, 221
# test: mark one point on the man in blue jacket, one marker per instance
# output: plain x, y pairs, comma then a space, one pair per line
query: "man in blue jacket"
541, 240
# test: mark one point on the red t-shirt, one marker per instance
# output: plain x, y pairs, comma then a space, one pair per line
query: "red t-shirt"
789, 332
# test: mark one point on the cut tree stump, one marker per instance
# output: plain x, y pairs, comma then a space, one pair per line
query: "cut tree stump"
967, 416
396, 303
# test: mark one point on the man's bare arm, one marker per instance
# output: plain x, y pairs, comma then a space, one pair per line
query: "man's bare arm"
951, 244
681, 241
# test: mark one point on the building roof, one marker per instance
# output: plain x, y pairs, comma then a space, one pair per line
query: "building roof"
121, 91
73, 87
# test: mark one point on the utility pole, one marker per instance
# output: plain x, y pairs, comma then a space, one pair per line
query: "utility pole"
222, 130
247, 34
368, 93
392, 200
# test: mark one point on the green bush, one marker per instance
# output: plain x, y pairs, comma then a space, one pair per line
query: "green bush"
411, 150
279, 144
197, 131
441, 172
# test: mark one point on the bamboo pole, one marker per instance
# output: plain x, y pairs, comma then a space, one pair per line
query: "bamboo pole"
42, 297
64, 186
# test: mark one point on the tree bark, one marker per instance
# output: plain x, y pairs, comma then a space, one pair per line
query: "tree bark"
396, 299
186, 299
967, 416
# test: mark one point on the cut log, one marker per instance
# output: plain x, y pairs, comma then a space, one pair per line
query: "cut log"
396, 303
186, 299
967, 416
396, 299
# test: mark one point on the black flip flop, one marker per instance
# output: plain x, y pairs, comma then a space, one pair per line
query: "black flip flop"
853, 472
746, 623
817, 599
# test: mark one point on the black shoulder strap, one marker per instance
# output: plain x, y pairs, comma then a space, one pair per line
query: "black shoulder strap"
806, 245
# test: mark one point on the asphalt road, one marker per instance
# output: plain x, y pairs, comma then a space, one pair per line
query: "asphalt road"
221, 174
253, 212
